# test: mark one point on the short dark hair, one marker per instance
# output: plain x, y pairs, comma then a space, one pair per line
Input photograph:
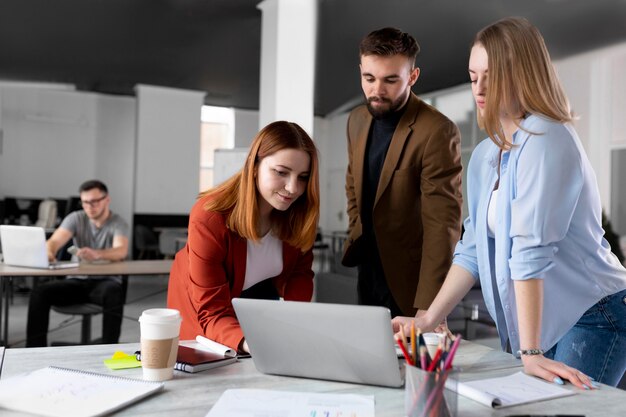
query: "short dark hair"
389, 41
91, 184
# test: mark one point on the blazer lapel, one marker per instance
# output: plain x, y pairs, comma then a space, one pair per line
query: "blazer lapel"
396, 146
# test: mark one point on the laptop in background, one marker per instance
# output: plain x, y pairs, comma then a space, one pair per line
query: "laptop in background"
323, 341
26, 246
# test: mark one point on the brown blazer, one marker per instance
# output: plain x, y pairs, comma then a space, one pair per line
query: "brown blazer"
417, 209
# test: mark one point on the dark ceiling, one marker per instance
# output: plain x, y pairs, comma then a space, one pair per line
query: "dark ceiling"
109, 46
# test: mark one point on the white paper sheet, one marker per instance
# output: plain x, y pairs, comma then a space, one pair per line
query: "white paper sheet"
272, 403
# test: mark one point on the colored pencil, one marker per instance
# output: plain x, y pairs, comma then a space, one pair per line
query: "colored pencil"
404, 352
435, 361
457, 341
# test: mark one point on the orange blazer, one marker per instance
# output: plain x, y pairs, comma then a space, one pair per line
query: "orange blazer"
210, 270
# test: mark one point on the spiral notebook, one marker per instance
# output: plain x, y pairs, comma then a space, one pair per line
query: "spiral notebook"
62, 392
510, 390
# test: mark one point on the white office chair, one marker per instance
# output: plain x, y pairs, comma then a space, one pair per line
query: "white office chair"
47, 215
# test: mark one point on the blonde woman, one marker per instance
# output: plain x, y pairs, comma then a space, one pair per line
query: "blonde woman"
534, 235
250, 237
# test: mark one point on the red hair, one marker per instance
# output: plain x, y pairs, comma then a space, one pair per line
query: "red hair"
238, 196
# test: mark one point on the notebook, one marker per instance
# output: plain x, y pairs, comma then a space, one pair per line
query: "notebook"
62, 392
189, 359
26, 246
510, 390
323, 341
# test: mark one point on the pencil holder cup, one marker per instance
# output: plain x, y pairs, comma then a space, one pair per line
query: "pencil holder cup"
429, 394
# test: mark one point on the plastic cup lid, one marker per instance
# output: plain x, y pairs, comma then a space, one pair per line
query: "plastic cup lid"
160, 315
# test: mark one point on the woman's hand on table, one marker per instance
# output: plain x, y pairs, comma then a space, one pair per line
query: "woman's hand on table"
556, 372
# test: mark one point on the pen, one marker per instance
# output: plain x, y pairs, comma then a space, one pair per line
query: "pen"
404, 352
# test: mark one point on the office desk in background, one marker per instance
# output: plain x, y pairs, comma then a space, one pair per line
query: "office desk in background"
193, 395
130, 268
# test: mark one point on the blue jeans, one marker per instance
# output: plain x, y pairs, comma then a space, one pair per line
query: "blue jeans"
596, 345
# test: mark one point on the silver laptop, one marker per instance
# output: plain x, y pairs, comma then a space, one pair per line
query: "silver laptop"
324, 341
26, 246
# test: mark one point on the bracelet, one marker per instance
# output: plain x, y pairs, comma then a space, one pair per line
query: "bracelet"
530, 352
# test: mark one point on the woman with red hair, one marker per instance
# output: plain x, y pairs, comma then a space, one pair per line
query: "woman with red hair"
250, 237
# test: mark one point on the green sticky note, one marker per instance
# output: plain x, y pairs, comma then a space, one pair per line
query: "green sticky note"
122, 361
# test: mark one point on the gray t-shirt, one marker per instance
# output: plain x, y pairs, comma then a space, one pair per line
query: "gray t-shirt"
86, 234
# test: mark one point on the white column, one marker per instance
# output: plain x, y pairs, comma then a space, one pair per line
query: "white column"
288, 61
167, 176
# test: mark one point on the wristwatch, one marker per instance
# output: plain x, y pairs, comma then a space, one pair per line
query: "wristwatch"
530, 352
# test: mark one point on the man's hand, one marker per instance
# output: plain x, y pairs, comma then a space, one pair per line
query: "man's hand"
443, 328
422, 321
88, 254
51, 256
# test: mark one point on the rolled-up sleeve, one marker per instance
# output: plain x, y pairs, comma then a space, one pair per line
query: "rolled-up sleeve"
548, 180
465, 250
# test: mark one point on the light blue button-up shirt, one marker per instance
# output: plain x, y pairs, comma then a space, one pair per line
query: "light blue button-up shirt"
548, 226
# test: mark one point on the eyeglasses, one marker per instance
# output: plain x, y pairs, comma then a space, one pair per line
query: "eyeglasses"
92, 203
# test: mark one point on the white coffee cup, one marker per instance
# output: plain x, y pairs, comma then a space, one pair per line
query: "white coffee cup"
432, 342
160, 328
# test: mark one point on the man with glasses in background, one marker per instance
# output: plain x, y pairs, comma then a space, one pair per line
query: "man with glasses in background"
98, 235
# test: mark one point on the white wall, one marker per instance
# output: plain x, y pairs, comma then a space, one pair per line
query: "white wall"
168, 150
115, 151
49, 141
331, 140
56, 139
246, 127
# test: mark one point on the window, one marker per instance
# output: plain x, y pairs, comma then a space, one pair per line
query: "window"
217, 131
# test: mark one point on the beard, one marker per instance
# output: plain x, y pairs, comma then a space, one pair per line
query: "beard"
384, 111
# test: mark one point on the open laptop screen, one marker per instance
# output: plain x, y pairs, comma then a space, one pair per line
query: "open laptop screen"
26, 246
323, 341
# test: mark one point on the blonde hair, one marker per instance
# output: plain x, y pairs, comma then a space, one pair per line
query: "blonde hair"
238, 196
520, 73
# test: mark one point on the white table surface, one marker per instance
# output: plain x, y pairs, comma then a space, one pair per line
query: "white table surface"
191, 395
